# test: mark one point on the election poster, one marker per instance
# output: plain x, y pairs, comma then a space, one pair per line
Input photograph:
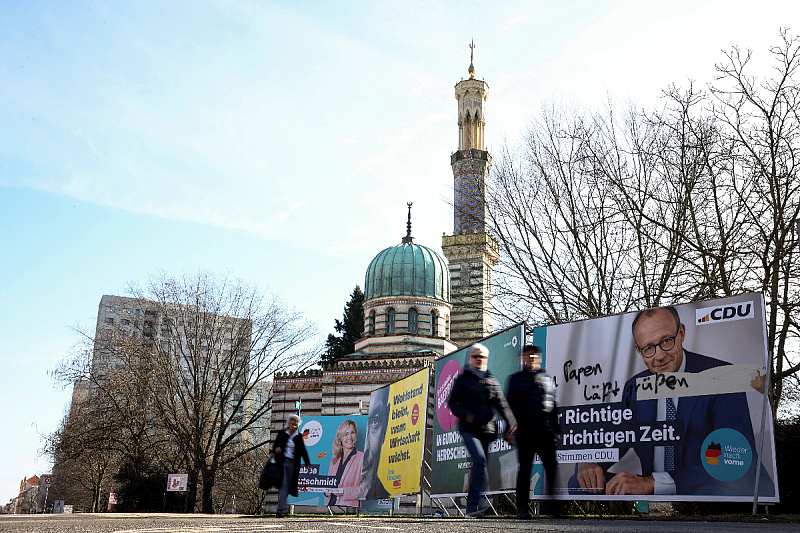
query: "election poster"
451, 462
664, 405
177, 482
335, 447
395, 438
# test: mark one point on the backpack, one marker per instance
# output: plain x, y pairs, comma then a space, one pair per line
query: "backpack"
271, 474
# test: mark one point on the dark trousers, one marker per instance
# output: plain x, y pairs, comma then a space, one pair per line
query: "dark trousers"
529, 444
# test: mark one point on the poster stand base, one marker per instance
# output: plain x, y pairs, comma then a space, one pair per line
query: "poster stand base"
439, 506
342, 509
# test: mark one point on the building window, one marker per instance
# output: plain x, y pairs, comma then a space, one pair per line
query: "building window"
371, 323
390, 321
413, 320
434, 324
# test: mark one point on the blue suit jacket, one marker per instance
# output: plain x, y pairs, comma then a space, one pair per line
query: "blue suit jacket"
700, 415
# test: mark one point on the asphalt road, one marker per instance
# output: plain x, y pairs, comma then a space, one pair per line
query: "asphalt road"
126, 523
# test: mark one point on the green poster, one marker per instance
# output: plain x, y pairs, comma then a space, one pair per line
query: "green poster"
451, 462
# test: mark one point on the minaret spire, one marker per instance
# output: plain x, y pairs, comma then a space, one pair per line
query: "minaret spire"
408, 239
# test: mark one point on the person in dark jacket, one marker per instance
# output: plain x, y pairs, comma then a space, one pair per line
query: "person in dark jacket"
289, 448
531, 398
476, 395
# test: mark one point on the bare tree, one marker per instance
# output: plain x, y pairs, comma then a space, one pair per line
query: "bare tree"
183, 361
84, 452
570, 248
239, 483
762, 117
699, 199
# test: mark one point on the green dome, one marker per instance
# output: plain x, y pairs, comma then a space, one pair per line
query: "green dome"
408, 270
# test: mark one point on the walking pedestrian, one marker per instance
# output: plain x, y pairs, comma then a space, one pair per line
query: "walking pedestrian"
531, 395
475, 397
289, 448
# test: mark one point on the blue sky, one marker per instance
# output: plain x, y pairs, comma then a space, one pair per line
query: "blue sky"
276, 142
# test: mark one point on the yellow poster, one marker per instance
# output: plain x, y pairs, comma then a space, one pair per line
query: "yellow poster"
400, 464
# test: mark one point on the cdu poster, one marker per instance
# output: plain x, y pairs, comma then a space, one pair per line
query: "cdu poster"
665, 404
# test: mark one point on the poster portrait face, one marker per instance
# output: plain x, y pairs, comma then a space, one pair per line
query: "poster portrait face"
377, 421
659, 336
348, 436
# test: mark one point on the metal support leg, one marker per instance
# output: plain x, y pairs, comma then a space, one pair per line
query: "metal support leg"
462, 513
490, 504
440, 506
512, 502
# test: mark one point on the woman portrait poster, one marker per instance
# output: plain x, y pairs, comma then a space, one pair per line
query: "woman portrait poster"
346, 461
320, 433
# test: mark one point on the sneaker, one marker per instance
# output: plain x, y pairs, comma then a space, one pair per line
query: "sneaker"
479, 513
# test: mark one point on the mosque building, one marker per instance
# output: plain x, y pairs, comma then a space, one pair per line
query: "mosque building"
418, 306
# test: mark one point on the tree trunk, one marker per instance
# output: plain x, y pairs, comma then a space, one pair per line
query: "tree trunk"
209, 475
191, 493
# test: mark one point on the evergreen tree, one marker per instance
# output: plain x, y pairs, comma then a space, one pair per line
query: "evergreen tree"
350, 329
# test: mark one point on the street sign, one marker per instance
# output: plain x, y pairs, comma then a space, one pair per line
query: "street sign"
48, 480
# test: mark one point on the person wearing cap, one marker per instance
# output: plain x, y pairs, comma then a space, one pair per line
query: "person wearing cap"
475, 397
531, 396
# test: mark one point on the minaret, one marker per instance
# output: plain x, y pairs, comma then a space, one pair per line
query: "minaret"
470, 251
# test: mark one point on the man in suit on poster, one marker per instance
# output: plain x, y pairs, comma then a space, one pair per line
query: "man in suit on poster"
659, 335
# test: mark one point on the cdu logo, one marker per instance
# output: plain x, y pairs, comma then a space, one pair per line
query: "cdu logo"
712, 315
